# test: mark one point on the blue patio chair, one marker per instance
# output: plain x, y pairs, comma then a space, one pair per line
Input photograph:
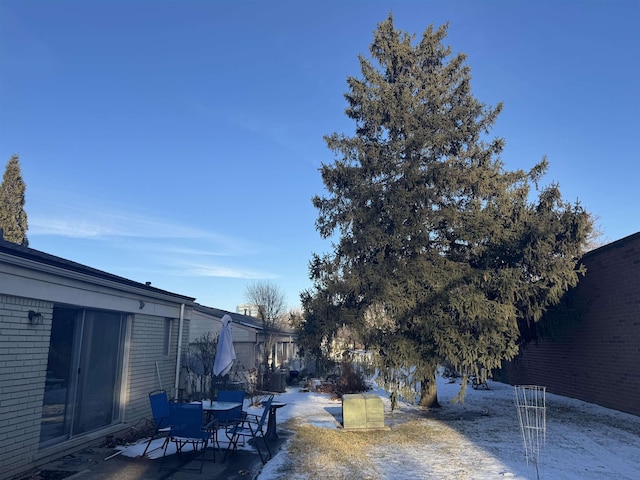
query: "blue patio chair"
187, 428
230, 417
160, 411
252, 426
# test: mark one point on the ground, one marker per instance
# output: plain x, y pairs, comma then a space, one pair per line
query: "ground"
480, 439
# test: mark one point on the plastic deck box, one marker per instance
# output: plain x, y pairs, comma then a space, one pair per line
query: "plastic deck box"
362, 411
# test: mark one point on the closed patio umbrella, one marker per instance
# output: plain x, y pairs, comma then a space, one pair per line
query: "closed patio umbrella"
225, 353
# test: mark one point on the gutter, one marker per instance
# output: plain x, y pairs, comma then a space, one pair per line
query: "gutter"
179, 354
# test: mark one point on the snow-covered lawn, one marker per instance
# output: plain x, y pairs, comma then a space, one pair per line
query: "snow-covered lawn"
480, 439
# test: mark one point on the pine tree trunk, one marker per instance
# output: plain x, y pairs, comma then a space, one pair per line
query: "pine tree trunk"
429, 393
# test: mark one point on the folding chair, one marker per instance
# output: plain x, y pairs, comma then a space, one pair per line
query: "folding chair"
187, 428
160, 411
253, 426
230, 417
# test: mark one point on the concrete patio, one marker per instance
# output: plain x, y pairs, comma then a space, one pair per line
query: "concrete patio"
91, 463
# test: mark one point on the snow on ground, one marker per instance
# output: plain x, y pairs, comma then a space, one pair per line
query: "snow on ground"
481, 439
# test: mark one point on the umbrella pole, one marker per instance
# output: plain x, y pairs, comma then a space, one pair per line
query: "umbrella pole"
214, 387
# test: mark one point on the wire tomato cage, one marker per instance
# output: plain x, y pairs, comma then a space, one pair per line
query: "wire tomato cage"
531, 406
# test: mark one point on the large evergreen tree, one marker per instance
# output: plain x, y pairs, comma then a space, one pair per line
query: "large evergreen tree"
13, 218
440, 253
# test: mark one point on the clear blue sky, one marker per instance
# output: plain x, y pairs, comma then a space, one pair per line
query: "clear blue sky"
178, 142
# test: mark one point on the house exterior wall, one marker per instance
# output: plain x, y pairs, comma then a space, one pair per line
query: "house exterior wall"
244, 337
27, 285
245, 357
597, 360
149, 367
24, 352
202, 325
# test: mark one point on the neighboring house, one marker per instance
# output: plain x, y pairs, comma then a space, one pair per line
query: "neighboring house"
80, 350
208, 320
248, 338
597, 357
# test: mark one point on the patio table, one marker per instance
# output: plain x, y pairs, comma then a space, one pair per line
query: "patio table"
210, 407
216, 406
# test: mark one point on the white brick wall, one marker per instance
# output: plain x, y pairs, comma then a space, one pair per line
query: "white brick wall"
24, 352
23, 363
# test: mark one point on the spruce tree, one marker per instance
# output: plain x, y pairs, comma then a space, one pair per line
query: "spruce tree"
440, 254
13, 217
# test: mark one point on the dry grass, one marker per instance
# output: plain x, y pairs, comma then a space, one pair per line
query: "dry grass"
478, 439
316, 452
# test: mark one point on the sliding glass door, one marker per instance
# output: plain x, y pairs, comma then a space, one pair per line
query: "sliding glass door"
84, 373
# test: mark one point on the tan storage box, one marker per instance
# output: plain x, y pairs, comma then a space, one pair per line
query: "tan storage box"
361, 411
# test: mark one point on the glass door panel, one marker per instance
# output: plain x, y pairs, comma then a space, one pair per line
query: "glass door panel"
98, 372
84, 369
56, 419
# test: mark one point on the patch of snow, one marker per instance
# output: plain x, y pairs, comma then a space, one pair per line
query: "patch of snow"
481, 438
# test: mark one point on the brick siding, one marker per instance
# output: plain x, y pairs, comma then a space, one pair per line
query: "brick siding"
24, 352
597, 360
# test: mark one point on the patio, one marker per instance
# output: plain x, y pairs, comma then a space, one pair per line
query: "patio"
91, 463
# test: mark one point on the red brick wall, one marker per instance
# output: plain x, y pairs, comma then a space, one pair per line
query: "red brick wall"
598, 359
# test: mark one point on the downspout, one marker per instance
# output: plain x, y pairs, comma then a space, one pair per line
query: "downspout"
258, 362
179, 354
255, 348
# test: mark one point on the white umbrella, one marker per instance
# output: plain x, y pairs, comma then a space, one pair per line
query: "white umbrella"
225, 353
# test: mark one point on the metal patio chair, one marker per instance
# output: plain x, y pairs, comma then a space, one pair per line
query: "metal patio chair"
187, 428
252, 426
230, 417
160, 411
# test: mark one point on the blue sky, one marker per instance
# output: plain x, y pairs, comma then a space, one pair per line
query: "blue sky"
178, 142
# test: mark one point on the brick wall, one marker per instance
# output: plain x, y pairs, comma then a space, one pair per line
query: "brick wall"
598, 359
24, 352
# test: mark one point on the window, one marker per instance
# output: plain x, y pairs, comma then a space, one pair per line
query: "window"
168, 323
